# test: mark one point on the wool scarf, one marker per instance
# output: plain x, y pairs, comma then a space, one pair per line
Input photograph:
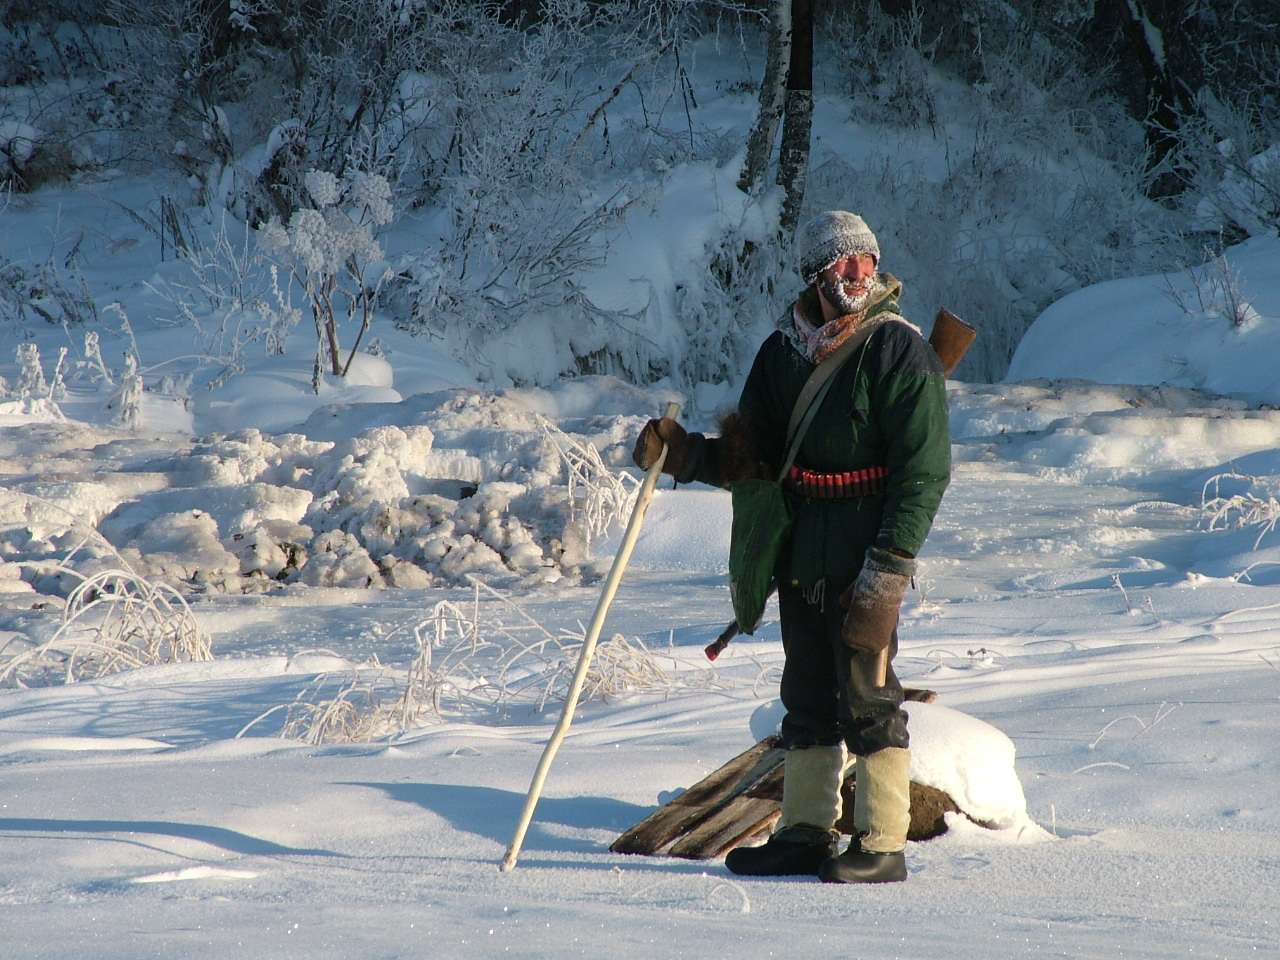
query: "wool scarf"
820, 341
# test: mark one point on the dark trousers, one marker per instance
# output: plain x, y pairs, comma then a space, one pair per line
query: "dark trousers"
828, 689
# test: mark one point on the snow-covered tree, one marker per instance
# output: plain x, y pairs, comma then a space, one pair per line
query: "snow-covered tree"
329, 246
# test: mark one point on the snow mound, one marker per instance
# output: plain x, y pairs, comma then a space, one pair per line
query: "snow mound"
1189, 329
1071, 425
276, 393
412, 494
966, 758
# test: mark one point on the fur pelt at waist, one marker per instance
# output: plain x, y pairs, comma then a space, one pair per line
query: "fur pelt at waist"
739, 459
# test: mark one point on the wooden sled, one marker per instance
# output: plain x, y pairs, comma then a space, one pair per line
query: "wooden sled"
743, 800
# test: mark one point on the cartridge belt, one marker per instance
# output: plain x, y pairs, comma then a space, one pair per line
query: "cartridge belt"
845, 485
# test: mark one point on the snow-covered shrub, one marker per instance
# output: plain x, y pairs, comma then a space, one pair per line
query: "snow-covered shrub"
1229, 150
896, 55
31, 382
329, 247
527, 215
223, 289
60, 111
53, 291
32, 393
18, 143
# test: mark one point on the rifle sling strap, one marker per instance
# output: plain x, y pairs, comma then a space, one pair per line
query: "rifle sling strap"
815, 388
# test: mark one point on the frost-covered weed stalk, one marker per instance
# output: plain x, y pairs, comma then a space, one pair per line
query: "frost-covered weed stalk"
330, 249
114, 620
598, 497
1214, 294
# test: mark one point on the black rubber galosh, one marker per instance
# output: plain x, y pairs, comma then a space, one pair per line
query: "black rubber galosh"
792, 851
856, 865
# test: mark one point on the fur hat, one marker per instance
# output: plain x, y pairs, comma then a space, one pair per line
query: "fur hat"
832, 236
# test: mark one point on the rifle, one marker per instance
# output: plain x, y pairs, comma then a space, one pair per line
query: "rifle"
951, 339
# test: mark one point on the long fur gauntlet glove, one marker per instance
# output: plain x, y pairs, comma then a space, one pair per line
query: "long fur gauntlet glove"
649, 446
873, 600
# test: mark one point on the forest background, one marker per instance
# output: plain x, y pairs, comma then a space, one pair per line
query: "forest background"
498, 176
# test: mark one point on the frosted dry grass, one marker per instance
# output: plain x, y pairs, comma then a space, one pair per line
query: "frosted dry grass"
598, 497
469, 661
114, 620
358, 713
1239, 510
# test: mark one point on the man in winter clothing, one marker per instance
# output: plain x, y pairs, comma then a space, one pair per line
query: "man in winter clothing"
864, 489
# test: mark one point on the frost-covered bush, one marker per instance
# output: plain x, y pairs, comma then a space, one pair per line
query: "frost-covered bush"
1214, 293
53, 292
223, 289
1231, 152
328, 246
525, 173
51, 105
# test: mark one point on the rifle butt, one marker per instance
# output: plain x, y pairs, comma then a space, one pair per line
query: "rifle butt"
951, 338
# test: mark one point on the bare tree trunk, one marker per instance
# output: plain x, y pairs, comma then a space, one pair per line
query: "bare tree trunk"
772, 92
896, 8
1163, 42
793, 159
1157, 33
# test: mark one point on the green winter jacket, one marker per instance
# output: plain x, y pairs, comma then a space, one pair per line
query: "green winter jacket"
886, 407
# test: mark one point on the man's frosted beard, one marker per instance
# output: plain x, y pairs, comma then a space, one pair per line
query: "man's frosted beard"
845, 298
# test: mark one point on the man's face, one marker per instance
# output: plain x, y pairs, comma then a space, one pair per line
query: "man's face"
846, 284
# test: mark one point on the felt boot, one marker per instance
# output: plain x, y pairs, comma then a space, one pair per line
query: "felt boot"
810, 807
881, 815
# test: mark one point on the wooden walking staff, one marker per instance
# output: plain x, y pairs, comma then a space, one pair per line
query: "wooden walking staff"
882, 667
620, 561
